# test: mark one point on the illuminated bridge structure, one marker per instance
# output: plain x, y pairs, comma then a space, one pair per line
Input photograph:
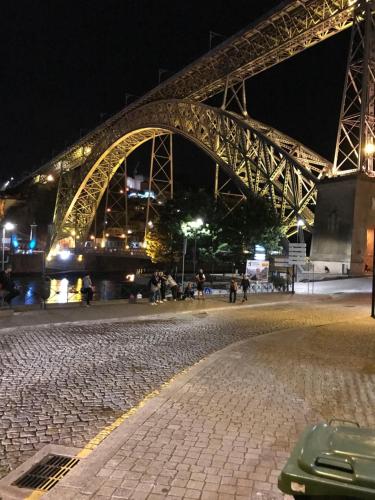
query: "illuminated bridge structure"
258, 158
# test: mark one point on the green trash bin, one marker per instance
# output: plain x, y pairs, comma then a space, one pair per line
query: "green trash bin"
332, 463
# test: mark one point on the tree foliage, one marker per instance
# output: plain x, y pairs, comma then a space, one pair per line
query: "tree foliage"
252, 222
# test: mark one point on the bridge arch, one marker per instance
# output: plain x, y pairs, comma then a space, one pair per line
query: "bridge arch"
247, 154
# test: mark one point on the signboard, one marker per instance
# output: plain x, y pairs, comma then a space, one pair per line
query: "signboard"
281, 261
5, 241
297, 253
257, 270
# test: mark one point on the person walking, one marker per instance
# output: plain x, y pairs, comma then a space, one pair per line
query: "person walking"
233, 291
172, 285
7, 286
200, 278
87, 289
245, 285
154, 288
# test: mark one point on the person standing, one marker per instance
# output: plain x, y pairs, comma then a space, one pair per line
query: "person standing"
154, 288
200, 278
7, 286
233, 291
88, 289
245, 285
171, 282
163, 285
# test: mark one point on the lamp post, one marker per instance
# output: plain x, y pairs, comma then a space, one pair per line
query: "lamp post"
8, 226
369, 151
184, 246
192, 229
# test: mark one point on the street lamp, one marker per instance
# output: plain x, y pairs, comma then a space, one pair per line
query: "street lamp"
8, 226
192, 229
369, 151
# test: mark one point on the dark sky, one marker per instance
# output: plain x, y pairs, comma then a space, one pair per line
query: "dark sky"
66, 65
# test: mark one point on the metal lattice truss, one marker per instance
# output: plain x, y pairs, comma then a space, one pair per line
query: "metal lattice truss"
247, 155
357, 120
161, 176
223, 191
116, 201
293, 27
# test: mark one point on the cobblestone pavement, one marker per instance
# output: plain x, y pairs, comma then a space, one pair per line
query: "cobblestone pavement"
224, 432
62, 384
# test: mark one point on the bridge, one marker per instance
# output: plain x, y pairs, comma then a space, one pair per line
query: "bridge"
257, 157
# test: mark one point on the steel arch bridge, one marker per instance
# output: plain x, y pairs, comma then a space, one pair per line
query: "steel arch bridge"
257, 157
252, 157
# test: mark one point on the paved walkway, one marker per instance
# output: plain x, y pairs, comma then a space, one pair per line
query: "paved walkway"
223, 429
118, 310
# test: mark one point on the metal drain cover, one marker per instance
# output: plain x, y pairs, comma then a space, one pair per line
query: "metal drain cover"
44, 475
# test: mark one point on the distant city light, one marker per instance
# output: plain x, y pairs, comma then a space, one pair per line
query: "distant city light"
130, 231
260, 252
64, 254
92, 237
15, 242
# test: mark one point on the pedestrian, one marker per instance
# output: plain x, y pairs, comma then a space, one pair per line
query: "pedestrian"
189, 292
173, 286
87, 289
163, 285
233, 291
158, 293
154, 288
245, 285
7, 286
200, 278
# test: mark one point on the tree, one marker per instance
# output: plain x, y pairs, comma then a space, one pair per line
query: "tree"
226, 236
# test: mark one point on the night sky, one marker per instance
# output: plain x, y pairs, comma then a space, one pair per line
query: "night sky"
68, 65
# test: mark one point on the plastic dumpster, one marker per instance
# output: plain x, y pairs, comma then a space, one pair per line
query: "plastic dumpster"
331, 462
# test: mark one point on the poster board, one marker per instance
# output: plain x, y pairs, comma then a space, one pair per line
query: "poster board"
257, 270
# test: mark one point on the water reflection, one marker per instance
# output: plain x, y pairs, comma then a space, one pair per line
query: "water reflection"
67, 289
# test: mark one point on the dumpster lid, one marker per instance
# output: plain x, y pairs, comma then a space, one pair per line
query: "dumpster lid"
340, 453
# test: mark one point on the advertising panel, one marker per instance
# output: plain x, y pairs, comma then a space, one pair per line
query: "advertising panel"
257, 270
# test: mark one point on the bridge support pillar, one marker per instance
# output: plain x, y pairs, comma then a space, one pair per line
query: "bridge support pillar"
343, 238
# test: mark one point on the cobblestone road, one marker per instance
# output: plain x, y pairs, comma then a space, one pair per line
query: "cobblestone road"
62, 384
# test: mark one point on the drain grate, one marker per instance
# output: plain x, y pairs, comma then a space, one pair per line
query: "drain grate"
44, 475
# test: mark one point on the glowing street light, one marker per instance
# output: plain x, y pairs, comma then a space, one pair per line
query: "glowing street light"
191, 229
369, 149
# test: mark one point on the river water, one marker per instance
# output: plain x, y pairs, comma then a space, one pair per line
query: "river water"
67, 288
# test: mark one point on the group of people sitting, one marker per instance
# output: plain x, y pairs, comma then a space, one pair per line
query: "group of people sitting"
161, 281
